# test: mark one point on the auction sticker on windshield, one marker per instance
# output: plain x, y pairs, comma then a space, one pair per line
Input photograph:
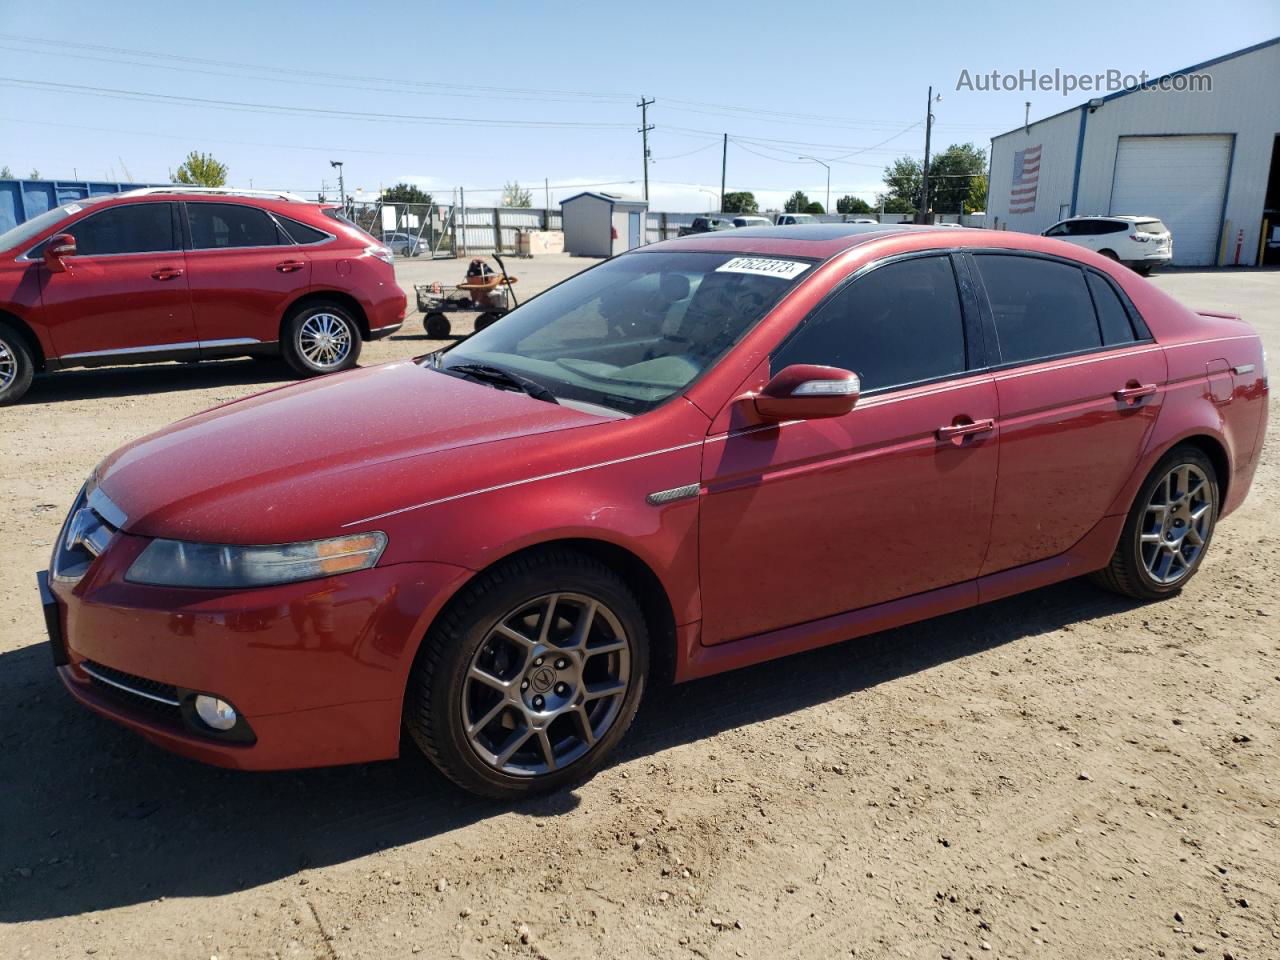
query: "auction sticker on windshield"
764, 267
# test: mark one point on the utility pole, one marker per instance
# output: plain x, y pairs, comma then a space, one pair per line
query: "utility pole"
342, 186
645, 127
928, 129
724, 163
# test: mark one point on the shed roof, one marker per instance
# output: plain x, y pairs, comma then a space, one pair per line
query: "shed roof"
607, 197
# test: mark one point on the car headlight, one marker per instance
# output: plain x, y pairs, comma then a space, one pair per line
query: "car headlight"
177, 563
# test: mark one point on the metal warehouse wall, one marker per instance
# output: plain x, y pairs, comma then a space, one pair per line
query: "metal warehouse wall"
1244, 102
1057, 137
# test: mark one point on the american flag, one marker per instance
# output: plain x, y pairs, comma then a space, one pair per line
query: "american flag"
1026, 176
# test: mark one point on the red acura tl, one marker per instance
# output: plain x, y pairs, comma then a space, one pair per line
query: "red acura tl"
702, 454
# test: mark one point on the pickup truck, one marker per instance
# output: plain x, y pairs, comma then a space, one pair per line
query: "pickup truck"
706, 225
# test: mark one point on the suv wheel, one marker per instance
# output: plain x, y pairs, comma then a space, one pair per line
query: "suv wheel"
321, 337
1168, 529
16, 365
530, 677
1109, 254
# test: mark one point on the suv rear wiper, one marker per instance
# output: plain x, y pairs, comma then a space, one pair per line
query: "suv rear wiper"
497, 375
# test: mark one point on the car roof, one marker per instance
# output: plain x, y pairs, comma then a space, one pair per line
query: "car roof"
819, 241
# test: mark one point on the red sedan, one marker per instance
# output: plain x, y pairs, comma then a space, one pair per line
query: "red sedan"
190, 273
705, 453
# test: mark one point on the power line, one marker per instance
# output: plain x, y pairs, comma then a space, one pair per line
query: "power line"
306, 111
191, 64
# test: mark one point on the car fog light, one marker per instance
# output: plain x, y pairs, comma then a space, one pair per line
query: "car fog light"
216, 713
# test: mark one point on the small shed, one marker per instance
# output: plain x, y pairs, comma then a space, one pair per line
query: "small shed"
602, 224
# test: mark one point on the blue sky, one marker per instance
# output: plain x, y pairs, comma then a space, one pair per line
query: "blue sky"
556, 85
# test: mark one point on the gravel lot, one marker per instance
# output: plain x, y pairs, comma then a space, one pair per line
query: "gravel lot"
1062, 774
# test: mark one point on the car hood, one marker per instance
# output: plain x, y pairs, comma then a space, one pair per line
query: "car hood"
298, 462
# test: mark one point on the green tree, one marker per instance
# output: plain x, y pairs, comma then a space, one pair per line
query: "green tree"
405, 193
514, 195
813, 206
6, 173
34, 174
200, 169
977, 200
952, 174
902, 178
740, 201
796, 203
851, 204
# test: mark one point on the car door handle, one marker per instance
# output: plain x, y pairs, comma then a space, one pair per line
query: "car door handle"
166, 273
956, 432
1135, 392
288, 266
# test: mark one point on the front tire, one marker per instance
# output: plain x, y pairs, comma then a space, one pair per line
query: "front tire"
1168, 530
17, 368
530, 676
321, 337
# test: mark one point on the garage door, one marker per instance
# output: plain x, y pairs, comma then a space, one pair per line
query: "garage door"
1180, 180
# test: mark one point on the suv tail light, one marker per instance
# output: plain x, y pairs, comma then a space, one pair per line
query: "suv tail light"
383, 253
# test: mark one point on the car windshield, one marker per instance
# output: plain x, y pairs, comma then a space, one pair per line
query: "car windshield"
17, 236
633, 331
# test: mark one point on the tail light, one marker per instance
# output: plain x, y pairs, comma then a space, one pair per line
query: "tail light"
380, 251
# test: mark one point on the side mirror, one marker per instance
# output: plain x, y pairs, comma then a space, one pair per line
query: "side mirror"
806, 391
60, 245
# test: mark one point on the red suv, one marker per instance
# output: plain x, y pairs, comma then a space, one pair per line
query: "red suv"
190, 274
698, 455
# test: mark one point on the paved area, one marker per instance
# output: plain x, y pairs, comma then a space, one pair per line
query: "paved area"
1062, 774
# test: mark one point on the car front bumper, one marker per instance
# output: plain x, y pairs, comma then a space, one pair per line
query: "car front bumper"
315, 670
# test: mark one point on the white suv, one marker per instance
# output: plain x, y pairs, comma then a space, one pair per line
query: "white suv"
1137, 242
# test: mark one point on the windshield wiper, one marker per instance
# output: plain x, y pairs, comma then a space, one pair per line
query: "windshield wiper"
496, 375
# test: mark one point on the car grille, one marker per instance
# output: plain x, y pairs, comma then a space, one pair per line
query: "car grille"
139, 693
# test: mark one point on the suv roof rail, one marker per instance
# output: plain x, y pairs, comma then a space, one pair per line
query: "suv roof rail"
215, 191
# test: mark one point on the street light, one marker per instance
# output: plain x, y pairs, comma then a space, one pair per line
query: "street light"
828, 166
711, 204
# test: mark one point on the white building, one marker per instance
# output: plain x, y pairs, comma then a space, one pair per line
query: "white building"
1206, 162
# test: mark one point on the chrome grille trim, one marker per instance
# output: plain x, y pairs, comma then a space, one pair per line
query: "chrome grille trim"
126, 688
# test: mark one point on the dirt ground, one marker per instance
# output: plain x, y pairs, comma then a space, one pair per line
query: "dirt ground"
1064, 774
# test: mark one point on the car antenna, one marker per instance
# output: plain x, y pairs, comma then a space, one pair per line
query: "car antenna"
503, 267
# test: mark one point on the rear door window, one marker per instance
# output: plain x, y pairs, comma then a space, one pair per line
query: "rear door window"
218, 226
128, 228
1041, 308
899, 324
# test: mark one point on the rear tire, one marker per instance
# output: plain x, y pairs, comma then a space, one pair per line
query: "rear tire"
1166, 536
507, 694
320, 337
17, 367
1109, 254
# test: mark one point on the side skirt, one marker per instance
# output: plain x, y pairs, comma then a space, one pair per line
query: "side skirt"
1093, 552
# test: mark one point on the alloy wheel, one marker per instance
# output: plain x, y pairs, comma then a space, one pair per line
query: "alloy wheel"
546, 684
324, 339
8, 366
1177, 523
